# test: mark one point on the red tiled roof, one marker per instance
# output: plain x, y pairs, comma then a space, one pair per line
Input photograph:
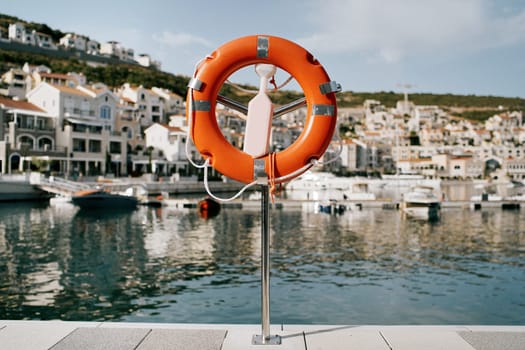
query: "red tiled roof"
126, 99
70, 90
24, 105
415, 160
171, 128
56, 76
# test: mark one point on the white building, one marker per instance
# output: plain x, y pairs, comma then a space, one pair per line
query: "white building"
70, 79
514, 168
349, 158
85, 127
172, 103
171, 141
146, 61
17, 83
115, 49
16, 32
73, 41
149, 104
128, 124
93, 47
27, 137
44, 41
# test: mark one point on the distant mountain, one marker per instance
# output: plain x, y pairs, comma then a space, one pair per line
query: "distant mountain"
458, 103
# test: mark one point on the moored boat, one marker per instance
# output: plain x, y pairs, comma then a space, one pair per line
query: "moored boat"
332, 207
98, 198
327, 186
359, 192
421, 203
486, 197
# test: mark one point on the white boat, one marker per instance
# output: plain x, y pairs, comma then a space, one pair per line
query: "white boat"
327, 186
421, 203
517, 197
60, 200
359, 192
486, 197
410, 180
317, 181
489, 193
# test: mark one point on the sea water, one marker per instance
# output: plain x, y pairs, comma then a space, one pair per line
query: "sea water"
169, 265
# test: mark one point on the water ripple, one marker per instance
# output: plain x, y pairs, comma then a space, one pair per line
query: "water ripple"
369, 266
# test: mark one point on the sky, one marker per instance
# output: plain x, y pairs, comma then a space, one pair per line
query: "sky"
435, 46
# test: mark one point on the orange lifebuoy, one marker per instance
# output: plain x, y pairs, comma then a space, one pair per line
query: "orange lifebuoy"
320, 97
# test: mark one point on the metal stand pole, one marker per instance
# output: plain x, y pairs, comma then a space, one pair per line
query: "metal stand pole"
265, 338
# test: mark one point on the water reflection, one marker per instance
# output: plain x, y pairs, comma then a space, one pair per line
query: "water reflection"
167, 265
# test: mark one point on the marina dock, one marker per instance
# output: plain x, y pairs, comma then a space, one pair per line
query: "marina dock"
310, 205
58, 335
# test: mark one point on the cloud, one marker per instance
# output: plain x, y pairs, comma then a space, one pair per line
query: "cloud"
395, 29
180, 39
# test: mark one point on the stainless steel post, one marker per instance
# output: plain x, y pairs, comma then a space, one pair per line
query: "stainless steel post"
265, 338
265, 263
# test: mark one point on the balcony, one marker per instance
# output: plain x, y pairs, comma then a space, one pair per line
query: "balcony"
79, 113
46, 150
35, 129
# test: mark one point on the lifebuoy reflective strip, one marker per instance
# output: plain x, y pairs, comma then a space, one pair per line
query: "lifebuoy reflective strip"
320, 97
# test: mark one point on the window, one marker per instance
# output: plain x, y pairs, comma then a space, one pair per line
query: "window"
114, 147
79, 145
105, 112
95, 146
25, 142
45, 143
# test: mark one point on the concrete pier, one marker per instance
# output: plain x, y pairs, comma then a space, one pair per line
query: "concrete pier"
58, 335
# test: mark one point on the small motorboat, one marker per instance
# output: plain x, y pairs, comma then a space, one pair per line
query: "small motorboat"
208, 208
486, 197
332, 207
421, 203
98, 198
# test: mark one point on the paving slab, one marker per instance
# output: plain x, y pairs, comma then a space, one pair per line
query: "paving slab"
495, 328
44, 335
344, 338
182, 339
495, 340
33, 335
428, 339
239, 337
103, 339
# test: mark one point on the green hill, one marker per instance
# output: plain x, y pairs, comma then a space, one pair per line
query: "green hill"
6, 20
113, 75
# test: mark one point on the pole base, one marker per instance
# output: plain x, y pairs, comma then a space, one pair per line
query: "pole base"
259, 339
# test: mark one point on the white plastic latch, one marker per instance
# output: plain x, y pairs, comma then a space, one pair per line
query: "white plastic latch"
260, 113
